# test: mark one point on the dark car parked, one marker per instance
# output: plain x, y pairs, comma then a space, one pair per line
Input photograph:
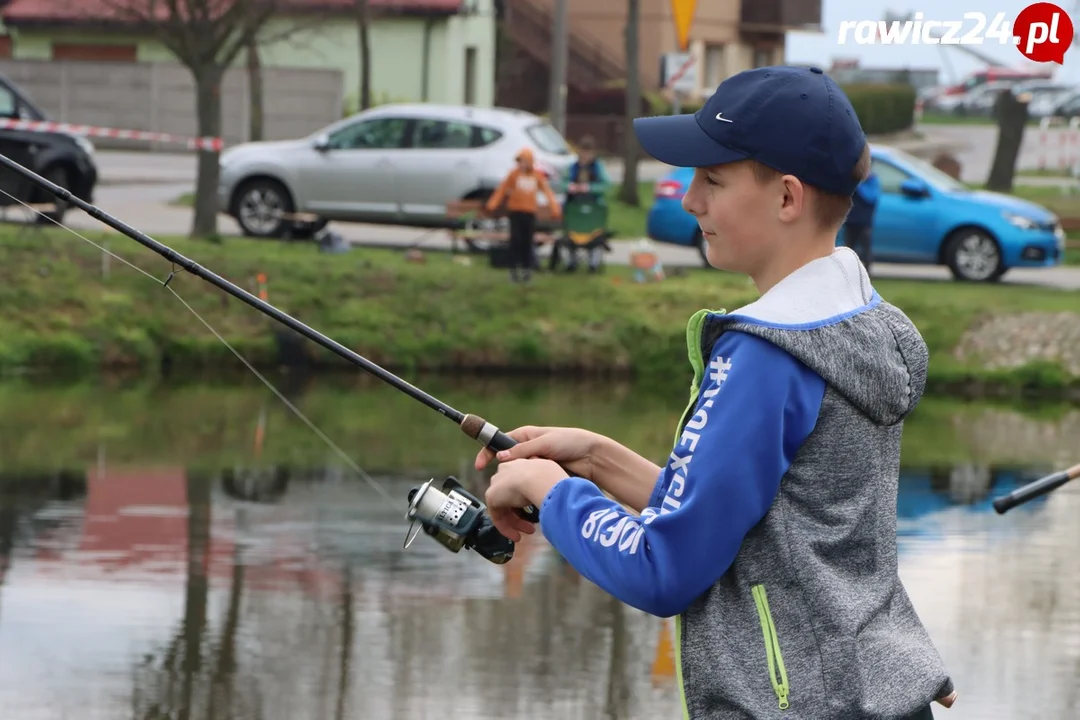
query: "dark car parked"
67, 160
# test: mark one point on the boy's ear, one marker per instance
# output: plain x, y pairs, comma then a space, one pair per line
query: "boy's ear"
793, 197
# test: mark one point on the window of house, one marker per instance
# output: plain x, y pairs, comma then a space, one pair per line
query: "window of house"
470, 76
714, 66
763, 57
94, 52
374, 134
442, 135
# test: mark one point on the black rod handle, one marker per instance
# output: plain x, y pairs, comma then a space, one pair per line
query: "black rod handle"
1035, 489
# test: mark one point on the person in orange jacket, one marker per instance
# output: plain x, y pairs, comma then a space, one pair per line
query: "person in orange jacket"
519, 189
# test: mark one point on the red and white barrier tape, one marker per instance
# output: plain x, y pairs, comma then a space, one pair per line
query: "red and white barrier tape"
204, 143
1065, 147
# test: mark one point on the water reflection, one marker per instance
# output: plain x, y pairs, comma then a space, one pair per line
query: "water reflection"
243, 584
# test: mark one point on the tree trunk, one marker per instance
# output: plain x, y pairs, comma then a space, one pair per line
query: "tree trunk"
363, 21
198, 588
208, 111
348, 637
1012, 117
255, 89
629, 191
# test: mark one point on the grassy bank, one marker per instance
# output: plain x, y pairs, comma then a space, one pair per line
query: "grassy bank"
48, 427
61, 314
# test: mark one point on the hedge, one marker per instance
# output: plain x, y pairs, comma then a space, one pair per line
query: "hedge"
882, 108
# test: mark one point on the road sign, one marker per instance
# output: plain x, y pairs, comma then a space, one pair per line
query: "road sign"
683, 13
679, 72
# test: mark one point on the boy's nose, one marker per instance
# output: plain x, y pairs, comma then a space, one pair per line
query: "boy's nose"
693, 201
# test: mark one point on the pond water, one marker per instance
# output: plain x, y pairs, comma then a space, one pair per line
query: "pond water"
197, 552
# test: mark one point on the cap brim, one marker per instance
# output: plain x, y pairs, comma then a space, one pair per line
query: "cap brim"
678, 140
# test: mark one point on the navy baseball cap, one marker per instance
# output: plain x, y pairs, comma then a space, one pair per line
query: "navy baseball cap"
795, 120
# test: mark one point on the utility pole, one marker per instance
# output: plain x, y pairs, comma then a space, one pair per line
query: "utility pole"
559, 54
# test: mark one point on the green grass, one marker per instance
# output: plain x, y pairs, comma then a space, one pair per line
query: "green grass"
931, 118
629, 221
60, 314
1072, 252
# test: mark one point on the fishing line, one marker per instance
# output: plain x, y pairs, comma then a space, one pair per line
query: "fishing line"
166, 284
449, 514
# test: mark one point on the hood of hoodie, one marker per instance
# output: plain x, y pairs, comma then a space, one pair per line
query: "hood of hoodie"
828, 316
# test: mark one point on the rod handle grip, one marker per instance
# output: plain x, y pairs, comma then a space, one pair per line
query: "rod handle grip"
1031, 491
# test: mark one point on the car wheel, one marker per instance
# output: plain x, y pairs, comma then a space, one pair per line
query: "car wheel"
259, 205
974, 255
482, 225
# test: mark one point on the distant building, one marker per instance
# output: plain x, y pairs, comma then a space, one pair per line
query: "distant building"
726, 37
422, 50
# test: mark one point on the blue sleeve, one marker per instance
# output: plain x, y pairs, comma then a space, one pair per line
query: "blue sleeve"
757, 406
870, 189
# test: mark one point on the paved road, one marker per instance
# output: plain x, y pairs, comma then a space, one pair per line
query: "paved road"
137, 187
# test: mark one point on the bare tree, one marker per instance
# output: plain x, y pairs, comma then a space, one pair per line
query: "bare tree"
205, 36
629, 191
363, 26
1012, 116
255, 91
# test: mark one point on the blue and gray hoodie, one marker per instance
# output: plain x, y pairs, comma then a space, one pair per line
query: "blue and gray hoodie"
771, 532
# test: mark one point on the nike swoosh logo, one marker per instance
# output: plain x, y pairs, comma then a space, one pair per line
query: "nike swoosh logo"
719, 116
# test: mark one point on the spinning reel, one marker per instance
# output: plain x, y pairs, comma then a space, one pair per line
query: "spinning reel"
456, 519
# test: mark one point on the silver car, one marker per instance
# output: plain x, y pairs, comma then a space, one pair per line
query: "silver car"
394, 164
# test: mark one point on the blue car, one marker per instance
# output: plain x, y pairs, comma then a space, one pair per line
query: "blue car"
924, 217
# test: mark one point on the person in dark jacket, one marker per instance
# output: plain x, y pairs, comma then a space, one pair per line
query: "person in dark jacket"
587, 181
858, 228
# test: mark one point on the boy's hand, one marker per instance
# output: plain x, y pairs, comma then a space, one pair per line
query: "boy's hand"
570, 447
516, 484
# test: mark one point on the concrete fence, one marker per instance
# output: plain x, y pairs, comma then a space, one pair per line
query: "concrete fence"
160, 97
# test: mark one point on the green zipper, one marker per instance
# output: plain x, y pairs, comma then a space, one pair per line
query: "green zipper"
693, 349
772, 646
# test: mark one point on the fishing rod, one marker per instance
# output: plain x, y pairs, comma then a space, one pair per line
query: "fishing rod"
452, 516
1035, 489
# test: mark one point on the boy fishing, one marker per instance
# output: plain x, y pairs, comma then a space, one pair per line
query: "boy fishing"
770, 532
519, 189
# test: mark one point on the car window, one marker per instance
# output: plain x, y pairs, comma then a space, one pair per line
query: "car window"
374, 134
7, 103
890, 176
442, 135
548, 139
484, 136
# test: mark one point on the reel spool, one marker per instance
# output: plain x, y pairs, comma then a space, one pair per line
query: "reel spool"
456, 519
